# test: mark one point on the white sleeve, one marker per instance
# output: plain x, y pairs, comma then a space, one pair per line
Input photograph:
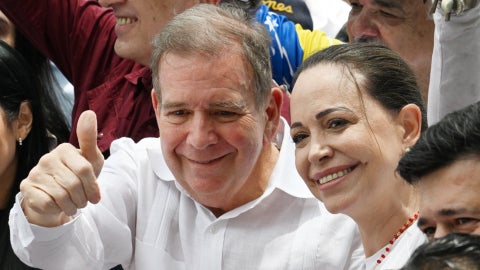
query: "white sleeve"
99, 236
455, 73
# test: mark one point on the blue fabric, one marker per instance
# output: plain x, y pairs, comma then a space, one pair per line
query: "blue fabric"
285, 50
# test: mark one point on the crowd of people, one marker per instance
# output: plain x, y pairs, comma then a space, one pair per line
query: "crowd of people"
240, 134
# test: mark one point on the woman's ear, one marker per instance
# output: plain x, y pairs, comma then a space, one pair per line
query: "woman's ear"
410, 118
24, 120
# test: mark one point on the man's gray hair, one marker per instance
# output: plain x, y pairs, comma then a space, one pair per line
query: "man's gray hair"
214, 31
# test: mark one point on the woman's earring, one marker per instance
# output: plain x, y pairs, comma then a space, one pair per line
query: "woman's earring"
20, 141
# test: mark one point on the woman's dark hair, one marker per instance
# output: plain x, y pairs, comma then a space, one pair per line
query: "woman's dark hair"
56, 122
18, 83
388, 79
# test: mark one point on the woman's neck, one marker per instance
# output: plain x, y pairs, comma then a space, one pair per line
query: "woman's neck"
379, 224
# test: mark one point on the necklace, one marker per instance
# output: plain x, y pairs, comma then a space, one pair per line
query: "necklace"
388, 248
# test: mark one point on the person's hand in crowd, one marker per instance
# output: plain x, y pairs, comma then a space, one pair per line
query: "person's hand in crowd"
64, 180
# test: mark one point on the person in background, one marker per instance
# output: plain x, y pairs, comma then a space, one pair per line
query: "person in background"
290, 43
105, 53
355, 110
24, 136
325, 15
455, 251
454, 80
444, 166
57, 122
217, 190
403, 26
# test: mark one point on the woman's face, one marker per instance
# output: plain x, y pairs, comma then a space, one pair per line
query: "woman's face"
347, 145
7, 149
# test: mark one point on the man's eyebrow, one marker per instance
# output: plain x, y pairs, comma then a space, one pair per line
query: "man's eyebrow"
229, 104
220, 104
389, 3
172, 105
448, 212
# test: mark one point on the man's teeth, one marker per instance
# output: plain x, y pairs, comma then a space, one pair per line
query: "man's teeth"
334, 176
124, 21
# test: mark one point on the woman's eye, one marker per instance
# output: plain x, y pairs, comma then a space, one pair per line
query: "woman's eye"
299, 137
337, 123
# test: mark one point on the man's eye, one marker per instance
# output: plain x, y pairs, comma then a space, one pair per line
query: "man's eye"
429, 232
226, 116
179, 112
464, 221
387, 14
225, 113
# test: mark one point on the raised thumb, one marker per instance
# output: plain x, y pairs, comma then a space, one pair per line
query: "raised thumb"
87, 139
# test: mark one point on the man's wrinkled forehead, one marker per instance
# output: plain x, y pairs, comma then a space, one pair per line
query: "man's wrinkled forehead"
399, 4
390, 3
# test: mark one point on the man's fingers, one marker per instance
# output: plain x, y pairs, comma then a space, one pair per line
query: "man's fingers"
87, 139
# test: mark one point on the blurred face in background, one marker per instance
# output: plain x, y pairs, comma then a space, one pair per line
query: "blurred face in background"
449, 201
402, 25
138, 21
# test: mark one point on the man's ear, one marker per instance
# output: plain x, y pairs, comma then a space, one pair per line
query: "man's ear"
24, 120
272, 113
410, 119
156, 104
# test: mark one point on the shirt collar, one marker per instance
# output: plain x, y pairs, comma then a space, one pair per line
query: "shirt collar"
142, 75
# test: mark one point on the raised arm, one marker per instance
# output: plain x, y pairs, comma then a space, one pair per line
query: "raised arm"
65, 179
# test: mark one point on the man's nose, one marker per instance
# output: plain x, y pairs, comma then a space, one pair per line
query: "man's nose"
202, 133
361, 27
442, 231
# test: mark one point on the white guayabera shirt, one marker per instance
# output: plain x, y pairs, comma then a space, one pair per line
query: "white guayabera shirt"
146, 221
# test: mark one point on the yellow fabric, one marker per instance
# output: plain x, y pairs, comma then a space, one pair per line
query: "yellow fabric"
313, 41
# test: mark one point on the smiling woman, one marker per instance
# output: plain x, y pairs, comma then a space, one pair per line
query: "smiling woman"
355, 110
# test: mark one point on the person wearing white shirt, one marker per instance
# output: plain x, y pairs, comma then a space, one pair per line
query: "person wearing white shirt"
454, 77
217, 190
355, 110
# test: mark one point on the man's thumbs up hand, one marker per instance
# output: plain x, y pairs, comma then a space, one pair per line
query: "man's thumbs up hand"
65, 179
87, 139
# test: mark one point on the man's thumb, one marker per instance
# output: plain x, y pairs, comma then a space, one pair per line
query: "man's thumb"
87, 139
